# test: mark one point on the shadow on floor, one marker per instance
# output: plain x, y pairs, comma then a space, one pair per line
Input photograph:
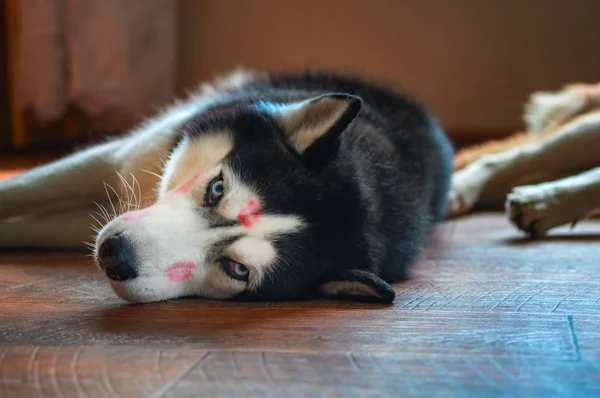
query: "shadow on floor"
520, 241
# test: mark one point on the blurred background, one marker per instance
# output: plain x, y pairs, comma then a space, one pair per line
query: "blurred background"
77, 70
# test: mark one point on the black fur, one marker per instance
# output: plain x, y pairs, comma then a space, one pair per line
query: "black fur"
369, 195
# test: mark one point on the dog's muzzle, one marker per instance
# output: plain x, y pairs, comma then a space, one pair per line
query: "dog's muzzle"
116, 258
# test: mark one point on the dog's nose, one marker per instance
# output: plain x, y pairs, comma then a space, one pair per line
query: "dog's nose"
116, 258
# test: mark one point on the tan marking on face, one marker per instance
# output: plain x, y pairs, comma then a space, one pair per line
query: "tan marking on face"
186, 186
199, 155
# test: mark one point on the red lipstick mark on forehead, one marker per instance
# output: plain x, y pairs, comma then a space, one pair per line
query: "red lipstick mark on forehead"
136, 215
187, 186
249, 213
180, 271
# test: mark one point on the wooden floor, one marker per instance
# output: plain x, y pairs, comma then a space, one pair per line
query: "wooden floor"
486, 314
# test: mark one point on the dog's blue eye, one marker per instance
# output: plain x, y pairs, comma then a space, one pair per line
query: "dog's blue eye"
235, 269
215, 191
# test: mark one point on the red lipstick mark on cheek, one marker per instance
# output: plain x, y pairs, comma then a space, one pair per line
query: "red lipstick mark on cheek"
249, 213
186, 187
136, 215
180, 271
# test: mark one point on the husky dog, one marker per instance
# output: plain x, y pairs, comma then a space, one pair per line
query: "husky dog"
277, 186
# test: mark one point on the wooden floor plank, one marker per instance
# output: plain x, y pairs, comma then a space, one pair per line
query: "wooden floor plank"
486, 313
92, 371
586, 337
326, 329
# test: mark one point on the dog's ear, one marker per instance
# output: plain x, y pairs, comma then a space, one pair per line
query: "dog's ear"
358, 285
313, 126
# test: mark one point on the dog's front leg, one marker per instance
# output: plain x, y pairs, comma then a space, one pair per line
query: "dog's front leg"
489, 179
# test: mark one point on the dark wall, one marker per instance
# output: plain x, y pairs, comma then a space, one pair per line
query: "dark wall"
476, 61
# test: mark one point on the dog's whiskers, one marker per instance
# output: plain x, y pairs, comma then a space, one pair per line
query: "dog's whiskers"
94, 228
104, 214
121, 201
138, 197
152, 173
124, 185
163, 161
106, 186
95, 219
89, 245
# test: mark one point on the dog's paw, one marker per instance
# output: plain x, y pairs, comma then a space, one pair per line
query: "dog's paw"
464, 193
526, 209
535, 209
456, 204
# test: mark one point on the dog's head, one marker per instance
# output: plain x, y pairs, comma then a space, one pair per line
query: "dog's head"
248, 207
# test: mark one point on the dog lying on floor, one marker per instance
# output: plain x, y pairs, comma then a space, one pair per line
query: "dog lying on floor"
261, 186
549, 176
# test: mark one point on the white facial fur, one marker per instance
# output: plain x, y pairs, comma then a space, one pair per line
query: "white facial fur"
175, 230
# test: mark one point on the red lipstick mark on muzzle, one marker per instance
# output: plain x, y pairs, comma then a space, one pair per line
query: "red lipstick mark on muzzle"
136, 215
186, 187
249, 213
180, 271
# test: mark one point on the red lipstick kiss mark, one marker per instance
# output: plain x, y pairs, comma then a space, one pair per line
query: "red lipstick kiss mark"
249, 213
135, 215
180, 271
186, 187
